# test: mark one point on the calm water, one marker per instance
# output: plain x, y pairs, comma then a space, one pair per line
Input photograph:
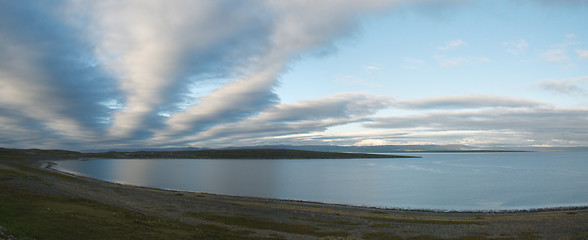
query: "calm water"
455, 181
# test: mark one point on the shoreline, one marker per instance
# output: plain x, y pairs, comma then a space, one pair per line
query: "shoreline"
49, 166
215, 216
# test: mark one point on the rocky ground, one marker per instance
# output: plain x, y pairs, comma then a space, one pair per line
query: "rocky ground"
4, 235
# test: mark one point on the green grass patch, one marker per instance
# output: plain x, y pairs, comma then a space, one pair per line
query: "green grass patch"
579, 236
466, 237
377, 212
213, 232
6, 174
382, 225
528, 235
329, 223
47, 172
381, 236
32, 216
480, 236
35, 216
267, 224
331, 234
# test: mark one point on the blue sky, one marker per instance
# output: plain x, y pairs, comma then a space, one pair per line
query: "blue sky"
111, 74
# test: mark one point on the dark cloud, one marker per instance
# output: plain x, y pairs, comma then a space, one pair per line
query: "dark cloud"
113, 73
292, 119
164, 48
104, 72
48, 70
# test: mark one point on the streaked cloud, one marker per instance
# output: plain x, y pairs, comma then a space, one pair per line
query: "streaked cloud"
373, 142
336, 106
450, 62
413, 64
555, 55
582, 53
459, 61
283, 120
571, 36
453, 44
468, 102
150, 73
572, 86
371, 68
516, 47
132, 63
37, 77
549, 126
559, 51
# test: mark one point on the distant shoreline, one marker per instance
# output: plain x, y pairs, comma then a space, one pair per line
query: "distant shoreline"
454, 151
194, 154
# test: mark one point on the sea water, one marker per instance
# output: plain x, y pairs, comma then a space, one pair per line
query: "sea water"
443, 181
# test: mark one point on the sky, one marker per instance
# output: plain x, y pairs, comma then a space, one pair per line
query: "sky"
109, 74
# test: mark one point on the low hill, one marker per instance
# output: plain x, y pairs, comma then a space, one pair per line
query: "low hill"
195, 154
241, 154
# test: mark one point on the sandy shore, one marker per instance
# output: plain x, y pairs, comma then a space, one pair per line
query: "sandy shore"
259, 217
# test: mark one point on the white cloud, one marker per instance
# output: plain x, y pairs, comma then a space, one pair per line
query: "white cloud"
516, 47
459, 61
162, 55
121, 72
111, 72
36, 79
469, 101
571, 36
372, 142
371, 68
295, 31
291, 119
450, 62
413, 64
582, 53
572, 86
559, 52
335, 106
453, 44
549, 126
555, 55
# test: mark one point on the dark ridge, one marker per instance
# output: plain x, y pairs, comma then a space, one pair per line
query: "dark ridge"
11, 153
195, 154
242, 154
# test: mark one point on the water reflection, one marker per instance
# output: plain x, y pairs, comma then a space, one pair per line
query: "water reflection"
238, 177
440, 181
